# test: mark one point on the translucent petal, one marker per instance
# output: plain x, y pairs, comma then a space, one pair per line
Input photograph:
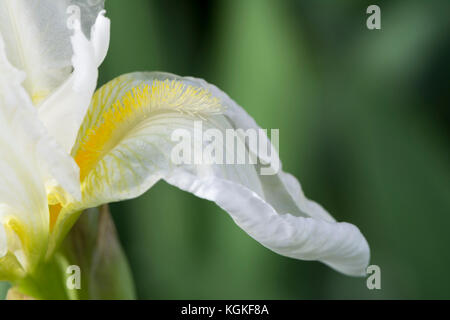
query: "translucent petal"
63, 111
37, 39
126, 144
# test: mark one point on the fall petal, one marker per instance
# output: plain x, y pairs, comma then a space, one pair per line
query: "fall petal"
126, 144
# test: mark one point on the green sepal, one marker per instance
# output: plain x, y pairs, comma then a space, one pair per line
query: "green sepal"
92, 245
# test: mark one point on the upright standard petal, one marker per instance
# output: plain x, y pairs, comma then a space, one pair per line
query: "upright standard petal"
127, 143
63, 111
31, 165
37, 39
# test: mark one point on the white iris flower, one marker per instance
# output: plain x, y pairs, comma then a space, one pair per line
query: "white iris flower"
64, 148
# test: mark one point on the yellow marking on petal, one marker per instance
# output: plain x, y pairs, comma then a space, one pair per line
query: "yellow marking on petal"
38, 96
20, 240
16, 226
54, 213
134, 107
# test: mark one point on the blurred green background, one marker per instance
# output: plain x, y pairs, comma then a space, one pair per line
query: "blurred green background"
364, 124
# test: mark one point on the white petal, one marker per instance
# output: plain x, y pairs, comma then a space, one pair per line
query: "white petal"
57, 165
270, 208
37, 40
340, 245
63, 112
100, 37
30, 162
